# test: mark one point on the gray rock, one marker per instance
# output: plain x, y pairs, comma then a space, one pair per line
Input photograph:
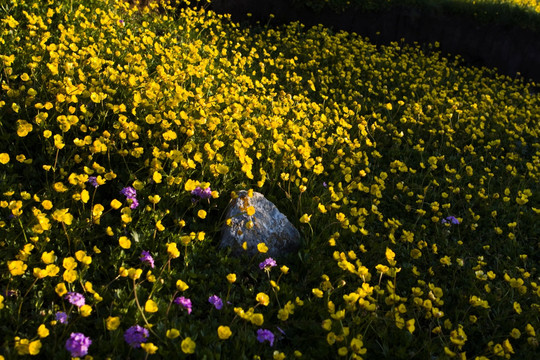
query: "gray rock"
269, 226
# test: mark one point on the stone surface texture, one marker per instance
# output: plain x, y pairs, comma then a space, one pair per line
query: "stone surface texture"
269, 226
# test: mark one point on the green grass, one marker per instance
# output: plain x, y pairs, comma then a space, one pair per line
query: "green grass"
374, 154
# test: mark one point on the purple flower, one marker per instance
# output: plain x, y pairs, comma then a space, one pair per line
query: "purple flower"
184, 302
216, 301
62, 317
136, 335
134, 203
450, 219
267, 264
202, 193
147, 258
265, 335
324, 184
75, 298
131, 194
93, 181
78, 344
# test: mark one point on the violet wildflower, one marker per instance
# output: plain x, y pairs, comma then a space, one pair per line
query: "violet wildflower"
147, 258
450, 219
131, 194
265, 335
216, 301
202, 193
75, 298
184, 302
267, 264
136, 335
93, 181
78, 344
61, 317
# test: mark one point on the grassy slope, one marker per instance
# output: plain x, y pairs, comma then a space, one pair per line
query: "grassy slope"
377, 146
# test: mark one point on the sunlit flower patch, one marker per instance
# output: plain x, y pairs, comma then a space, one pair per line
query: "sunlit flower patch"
125, 132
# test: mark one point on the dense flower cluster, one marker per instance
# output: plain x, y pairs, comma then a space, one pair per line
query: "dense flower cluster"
136, 335
411, 178
78, 344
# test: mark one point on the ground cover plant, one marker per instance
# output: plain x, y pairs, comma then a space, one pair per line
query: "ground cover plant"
125, 133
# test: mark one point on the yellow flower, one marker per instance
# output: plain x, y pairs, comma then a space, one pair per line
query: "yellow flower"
112, 323
59, 141
23, 128
224, 332
85, 310
172, 333
34, 347
317, 292
63, 216
124, 242
191, 185
305, 219
188, 346
42, 331
181, 286
172, 250
17, 267
149, 348
115, 204
185, 240
410, 325
97, 211
47, 204
134, 274
283, 314
327, 324
4, 158
390, 255
250, 211
52, 270
151, 306
60, 289
263, 299
262, 248
257, 319
69, 263
231, 278
11, 22
70, 276
201, 213
515, 333
159, 226
154, 199
157, 177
